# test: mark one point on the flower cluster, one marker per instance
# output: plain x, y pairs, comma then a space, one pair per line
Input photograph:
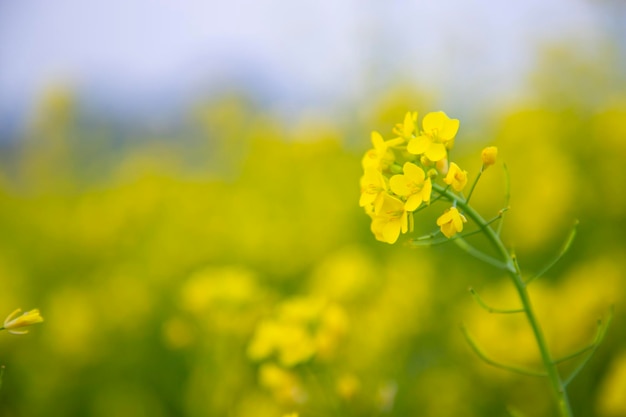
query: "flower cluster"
399, 174
302, 328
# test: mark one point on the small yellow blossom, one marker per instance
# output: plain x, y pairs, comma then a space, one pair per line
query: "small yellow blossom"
451, 222
381, 156
284, 385
412, 185
456, 178
291, 415
372, 186
437, 136
16, 321
290, 341
489, 155
390, 220
405, 130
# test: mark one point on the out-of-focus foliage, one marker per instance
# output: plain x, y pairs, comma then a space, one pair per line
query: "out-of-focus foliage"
226, 268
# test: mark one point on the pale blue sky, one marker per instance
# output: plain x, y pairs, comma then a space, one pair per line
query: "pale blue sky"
299, 54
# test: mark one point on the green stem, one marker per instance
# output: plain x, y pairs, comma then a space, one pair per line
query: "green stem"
558, 386
471, 191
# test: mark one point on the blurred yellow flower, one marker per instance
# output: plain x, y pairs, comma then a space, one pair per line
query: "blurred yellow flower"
489, 155
437, 136
15, 321
289, 341
391, 219
301, 329
451, 222
412, 185
283, 384
456, 178
347, 386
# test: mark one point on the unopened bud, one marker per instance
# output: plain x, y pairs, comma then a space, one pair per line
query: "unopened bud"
489, 155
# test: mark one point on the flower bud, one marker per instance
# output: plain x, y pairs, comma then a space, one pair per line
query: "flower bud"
489, 155
16, 321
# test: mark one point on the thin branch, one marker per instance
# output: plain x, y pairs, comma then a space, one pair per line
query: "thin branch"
575, 354
487, 359
598, 339
490, 309
478, 254
563, 251
507, 195
471, 191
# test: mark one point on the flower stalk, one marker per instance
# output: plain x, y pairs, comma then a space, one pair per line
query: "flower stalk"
509, 265
400, 180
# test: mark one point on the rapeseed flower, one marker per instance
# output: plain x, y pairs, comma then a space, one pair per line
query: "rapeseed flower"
406, 129
436, 138
451, 222
412, 186
373, 184
380, 157
391, 219
456, 177
16, 321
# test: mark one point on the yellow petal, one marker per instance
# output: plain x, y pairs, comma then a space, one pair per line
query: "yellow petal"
378, 142
427, 190
444, 218
398, 184
418, 145
436, 152
413, 202
449, 129
391, 231
434, 122
413, 172
409, 124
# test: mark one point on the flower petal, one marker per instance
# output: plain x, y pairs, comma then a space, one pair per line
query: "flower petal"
413, 172
398, 184
413, 202
449, 129
436, 152
391, 231
434, 122
418, 145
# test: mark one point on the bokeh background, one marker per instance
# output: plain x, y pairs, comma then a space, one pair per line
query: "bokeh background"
179, 189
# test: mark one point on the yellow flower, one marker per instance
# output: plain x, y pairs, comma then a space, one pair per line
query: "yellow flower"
381, 156
391, 219
372, 185
437, 136
451, 222
456, 178
405, 130
284, 385
489, 155
290, 341
412, 185
16, 321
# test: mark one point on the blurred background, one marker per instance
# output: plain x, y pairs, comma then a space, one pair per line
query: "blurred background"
179, 189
